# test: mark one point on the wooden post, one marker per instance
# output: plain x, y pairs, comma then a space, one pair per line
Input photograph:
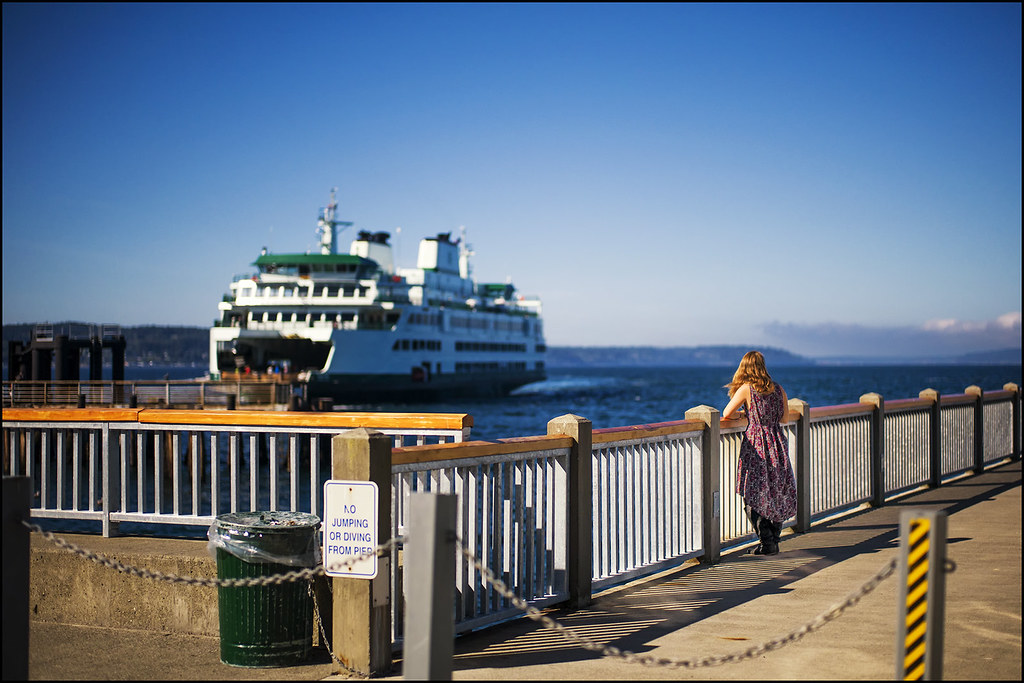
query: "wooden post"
934, 436
877, 448
711, 465
803, 464
362, 607
580, 524
979, 426
430, 571
16, 503
1015, 412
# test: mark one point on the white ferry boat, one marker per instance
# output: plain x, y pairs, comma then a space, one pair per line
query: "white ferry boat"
360, 330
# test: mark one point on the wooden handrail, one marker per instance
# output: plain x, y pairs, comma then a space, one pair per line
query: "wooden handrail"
610, 434
410, 455
332, 420
904, 404
841, 410
955, 399
71, 414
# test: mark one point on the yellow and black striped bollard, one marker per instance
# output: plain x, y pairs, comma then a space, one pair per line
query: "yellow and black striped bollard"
921, 616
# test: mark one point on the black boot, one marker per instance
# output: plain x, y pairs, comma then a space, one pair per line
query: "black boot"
769, 541
754, 519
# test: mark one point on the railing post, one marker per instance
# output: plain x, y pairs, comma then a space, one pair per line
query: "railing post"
16, 503
362, 607
110, 482
710, 468
1015, 412
580, 553
979, 426
877, 449
803, 464
934, 436
430, 564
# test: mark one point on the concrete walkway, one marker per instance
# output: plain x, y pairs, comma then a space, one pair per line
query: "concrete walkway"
690, 613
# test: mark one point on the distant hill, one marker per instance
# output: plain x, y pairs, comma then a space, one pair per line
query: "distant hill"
1001, 357
176, 344
654, 356
997, 357
171, 344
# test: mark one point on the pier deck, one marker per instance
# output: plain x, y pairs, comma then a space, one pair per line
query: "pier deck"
687, 613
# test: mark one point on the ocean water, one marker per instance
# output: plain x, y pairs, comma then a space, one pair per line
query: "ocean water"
615, 397
619, 396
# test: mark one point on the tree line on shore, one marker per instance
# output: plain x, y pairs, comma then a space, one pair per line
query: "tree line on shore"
175, 344
181, 344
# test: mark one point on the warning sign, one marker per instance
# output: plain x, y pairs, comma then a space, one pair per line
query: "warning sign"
350, 528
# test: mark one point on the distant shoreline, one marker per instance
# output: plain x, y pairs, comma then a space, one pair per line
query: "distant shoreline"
171, 345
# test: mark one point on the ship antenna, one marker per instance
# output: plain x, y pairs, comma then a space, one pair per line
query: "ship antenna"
327, 227
465, 251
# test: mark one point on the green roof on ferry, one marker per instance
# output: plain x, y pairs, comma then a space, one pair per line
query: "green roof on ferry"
308, 259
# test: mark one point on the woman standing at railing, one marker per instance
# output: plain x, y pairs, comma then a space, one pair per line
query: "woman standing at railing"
765, 477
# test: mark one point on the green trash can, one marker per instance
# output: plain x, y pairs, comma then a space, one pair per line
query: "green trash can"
265, 625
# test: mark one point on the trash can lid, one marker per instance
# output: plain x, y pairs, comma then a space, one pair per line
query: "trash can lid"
268, 521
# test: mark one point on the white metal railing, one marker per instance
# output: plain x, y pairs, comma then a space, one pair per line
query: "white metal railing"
958, 432
839, 461
157, 466
512, 513
646, 498
998, 429
907, 441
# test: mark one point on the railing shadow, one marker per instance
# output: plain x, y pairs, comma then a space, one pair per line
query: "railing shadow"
632, 617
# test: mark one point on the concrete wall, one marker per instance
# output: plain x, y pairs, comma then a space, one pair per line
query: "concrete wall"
67, 588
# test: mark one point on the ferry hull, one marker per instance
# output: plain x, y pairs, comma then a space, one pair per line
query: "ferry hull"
361, 389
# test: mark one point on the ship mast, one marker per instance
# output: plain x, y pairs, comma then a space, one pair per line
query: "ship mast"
327, 227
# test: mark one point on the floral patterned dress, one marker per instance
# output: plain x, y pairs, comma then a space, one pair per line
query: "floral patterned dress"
765, 476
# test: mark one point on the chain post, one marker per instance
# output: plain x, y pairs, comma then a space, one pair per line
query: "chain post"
921, 617
430, 564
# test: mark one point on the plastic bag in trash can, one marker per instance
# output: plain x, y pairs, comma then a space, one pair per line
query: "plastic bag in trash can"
288, 538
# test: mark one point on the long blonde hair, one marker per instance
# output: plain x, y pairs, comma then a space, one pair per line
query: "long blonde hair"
752, 370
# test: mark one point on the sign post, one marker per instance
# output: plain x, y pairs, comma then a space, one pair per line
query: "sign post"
360, 459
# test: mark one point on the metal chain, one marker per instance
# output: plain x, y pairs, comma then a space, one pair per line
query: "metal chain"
532, 612
610, 651
306, 574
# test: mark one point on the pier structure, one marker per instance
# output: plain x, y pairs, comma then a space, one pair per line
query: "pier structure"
660, 496
55, 352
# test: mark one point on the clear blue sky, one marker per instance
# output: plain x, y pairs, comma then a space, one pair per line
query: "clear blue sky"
831, 179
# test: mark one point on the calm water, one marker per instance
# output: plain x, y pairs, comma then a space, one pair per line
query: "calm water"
613, 397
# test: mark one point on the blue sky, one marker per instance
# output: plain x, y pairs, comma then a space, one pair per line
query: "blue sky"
831, 179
